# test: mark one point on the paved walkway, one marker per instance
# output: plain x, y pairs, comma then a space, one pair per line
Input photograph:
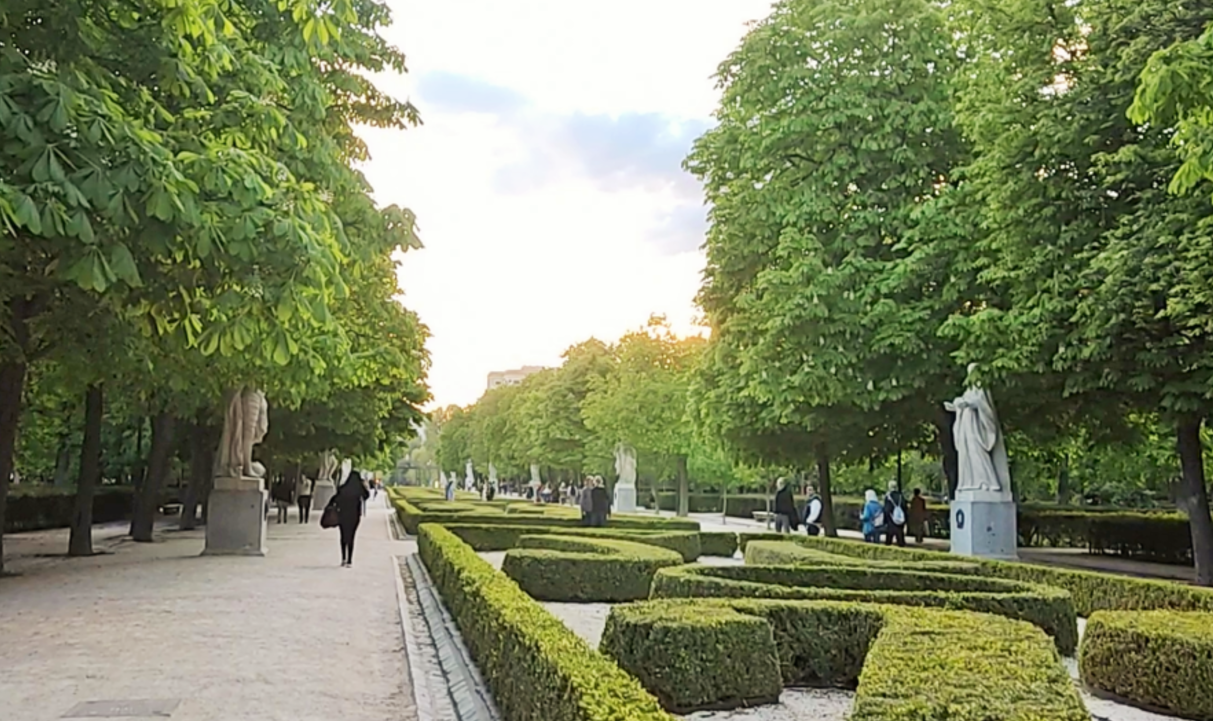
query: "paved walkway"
290, 636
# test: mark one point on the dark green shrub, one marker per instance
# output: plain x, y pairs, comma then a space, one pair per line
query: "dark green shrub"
1049, 608
536, 668
1091, 591
777, 553
34, 507
717, 543
1160, 659
694, 656
911, 664
487, 537
743, 539
568, 568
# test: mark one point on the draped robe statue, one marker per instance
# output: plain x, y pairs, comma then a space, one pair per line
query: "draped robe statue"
625, 465
245, 424
980, 449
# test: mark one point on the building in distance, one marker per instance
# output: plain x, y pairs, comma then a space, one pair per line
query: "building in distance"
511, 377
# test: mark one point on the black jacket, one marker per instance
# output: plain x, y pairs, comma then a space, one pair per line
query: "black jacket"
891, 500
600, 501
349, 500
785, 505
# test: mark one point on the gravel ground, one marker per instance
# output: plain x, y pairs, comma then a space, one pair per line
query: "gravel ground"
588, 619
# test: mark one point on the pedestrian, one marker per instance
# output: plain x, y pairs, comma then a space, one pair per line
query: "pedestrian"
894, 516
600, 502
871, 517
348, 501
281, 493
812, 512
303, 496
785, 507
586, 502
918, 515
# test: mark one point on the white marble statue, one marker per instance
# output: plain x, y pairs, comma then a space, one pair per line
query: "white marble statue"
981, 451
625, 465
245, 424
469, 478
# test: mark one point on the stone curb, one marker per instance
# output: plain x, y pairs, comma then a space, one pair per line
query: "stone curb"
421, 693
466, 687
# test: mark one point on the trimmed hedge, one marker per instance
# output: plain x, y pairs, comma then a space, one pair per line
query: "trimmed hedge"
487, 537
38, 507
536, 668
417, 506
1090, 590
780, 553
911, 664
718, 543
695, 656
1049, 608
1158, 659
568, 568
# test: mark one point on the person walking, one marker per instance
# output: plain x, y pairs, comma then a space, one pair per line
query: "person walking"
600, 502
871, 517
812, 512
786, 518
303, 496
281, 493
586, 502
894, 516
918, 515
348, 501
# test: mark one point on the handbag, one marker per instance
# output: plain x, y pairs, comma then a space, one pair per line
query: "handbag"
328, 519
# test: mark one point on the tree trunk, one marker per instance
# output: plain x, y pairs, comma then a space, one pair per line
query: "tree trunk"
137, 472
947, 449
1194, 497
684, 491
900, 482
81, 541
823, 490
199, 471
12, 384
63, 463
158, 457
1063, 480
724, 502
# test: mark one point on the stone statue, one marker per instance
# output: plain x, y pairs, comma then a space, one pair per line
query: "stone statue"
469, 479
980, 449
625, 465
245, 424
328, 467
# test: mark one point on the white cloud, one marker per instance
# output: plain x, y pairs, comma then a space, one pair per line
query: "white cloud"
591, 106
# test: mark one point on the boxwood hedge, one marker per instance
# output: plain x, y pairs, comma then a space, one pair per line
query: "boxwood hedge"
775, 553
718, 543
1049, 608
695, 656
580, 569
1091, 591
1158, 659
488, 537
910, 664
536, 668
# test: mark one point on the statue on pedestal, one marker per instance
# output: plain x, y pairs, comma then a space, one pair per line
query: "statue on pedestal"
245, 424
469, 479
328, 467
980, 449
625, 465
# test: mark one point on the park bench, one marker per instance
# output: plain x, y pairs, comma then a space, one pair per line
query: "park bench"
763, 516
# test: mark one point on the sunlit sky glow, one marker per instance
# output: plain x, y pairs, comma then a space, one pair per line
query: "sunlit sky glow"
547, 178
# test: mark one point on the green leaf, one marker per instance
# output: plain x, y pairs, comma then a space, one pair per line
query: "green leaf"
123, 265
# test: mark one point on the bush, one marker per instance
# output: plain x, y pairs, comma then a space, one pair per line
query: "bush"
536, 668
717, 543
1091, 591
911, 664
35, 507
778, 553
416, 506
568, 568
484, 537
1049, 608
1160, 659
692, 656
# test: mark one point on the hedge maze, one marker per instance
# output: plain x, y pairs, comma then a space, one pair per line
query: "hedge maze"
918, 635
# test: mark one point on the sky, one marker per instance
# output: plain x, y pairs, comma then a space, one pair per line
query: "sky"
547, 176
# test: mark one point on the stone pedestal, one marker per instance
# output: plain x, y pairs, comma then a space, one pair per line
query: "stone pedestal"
984, 525
625, 499
235, 518
322, 493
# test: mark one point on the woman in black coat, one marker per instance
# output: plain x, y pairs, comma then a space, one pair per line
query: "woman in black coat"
349, 499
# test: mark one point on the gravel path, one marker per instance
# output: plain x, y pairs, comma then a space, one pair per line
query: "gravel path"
288, 637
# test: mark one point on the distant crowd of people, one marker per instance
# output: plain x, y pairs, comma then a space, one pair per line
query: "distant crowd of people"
890, 517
